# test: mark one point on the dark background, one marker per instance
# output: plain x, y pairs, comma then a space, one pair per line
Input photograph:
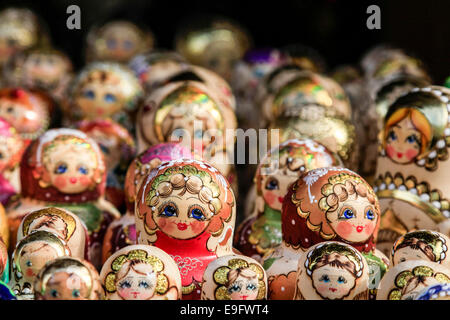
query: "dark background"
336, 28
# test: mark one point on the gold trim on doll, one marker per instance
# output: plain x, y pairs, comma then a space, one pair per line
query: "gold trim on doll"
339, 188
226, 277
131, 260
416, 128
408, 281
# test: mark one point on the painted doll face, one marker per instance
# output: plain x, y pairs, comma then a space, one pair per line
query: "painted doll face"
45, 69
243, 288
99, 100
50, 223
408, 253
137, 286
354, 220
332, 282
182, 216
20, 116
8, 148
403, 142
275, 187
65, 286
110, 147
71, 168
121, 42
34, 256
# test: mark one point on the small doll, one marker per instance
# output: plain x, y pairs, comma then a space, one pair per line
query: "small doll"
435, 292
68, 278
65, 168
62, 223
118, 150
187, 208
12, 147
117, 41
411, 177
332, 271
41, 68
424, 245
216, 45
104, 90
25, 111
407, 279
261, 232
234, 277
141, 272
29, 256
122, 232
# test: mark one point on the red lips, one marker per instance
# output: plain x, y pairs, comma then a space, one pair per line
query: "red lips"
281, 199
399, 154
182, 226
73, 180
333, 289
244, 297
359, 229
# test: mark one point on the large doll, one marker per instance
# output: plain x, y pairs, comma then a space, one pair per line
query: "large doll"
412, 170
65, 168
122, 232
12, 147
141, 272
118, 150
187, 208
261, 233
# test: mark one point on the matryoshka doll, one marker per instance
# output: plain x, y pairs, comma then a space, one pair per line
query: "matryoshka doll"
334, 204
436, 292
141, 272
68, 278
118, 150
4, 228
12, 147
261, 232
332, 271
62, 223
104, 90
25, 111
29, 256
117, 41
413, 167
407, 279
421, 245
122, 232
65, 168
234, 277
187, 208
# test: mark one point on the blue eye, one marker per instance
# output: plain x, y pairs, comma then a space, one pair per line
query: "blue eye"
143, 284
348, 214
54, 293
392, 136
83, 170
342, 280
272, 184
110, 98
104, 148
251, 286
197, 214
324, 278
128, 44
76, 293
89, 94
370, 215
28, 263
60, 169
169, 211
111, 43
234, 288
125, 284
411, 139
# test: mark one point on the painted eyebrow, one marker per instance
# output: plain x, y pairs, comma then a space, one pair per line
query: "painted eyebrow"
162, 205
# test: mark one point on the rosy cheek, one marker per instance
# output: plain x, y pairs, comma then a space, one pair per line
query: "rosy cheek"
344, 229
60, 182
411, 154
322, 288
270, 197
369, 227
390, 151
198, 226
125, 292
166, 225
85, 181
29, 272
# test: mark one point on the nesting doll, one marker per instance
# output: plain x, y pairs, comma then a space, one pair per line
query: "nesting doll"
68, 278
187, 208
188, 112
216, 44
435, 292
25, 111
104, 90
65, 168
117, 41
42, 68
421, 245
234, 277
407, 279
29, 256
141, 272
261, 233
122, 232
12, 147
412, 169
62, 223
117, 146
334, 204
332, 271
